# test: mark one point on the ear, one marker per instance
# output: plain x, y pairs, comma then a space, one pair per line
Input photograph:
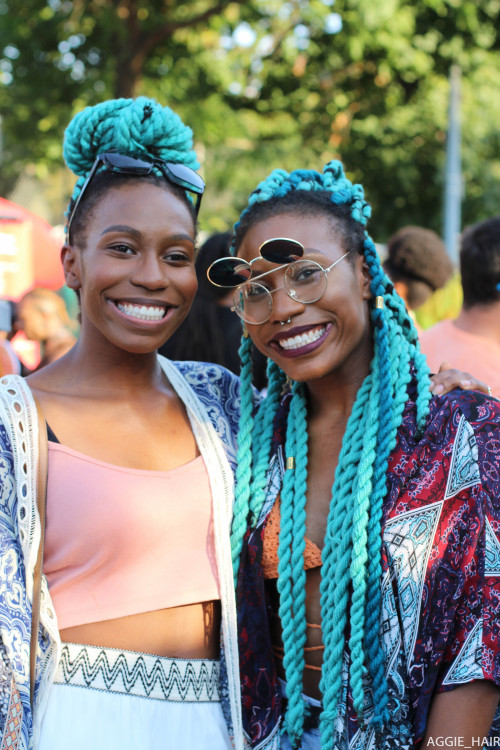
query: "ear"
70, 259
366, 280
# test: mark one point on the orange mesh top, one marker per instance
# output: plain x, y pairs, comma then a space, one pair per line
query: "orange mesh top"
312, 553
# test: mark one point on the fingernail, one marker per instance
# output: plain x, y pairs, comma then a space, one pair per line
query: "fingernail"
439, 389
465, 383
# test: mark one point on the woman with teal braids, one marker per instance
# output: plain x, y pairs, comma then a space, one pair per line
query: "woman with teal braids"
366, 532
134, 635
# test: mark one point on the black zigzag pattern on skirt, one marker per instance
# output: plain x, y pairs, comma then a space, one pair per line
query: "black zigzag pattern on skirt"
140, 678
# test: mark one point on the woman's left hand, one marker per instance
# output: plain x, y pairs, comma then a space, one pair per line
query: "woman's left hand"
447, 379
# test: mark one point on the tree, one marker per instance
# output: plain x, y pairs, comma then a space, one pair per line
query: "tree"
376, 95
63, 55
268, 83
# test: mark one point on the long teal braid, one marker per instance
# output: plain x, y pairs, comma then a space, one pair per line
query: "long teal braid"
262, 435
291, 573
359, 557
244, 455
352, 551
337, 558
254, 430
134, 127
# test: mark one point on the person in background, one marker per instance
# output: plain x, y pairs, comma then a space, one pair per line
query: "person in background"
417, 264
43, 316
9, 361
472, 340
212, 330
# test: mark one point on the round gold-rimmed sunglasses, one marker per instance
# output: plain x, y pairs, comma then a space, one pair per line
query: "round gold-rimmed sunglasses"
305, 280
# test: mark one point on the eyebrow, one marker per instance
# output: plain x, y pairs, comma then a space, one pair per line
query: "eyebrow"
136, 233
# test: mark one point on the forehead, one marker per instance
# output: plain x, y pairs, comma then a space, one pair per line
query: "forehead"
313, 232
142, 204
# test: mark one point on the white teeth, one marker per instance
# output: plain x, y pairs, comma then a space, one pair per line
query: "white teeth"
296, 342
141, 312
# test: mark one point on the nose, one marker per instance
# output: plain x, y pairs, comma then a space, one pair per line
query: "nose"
284, 306
150, 271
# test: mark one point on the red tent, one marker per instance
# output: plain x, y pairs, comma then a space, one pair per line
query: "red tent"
29, 252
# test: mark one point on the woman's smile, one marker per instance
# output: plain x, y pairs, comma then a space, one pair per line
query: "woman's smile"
143, 311
300, 340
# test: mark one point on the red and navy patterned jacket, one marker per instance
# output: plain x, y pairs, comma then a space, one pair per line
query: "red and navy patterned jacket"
440, 621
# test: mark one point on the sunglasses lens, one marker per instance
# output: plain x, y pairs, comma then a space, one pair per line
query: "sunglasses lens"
127, 164
185, 177
281, 250
229, 272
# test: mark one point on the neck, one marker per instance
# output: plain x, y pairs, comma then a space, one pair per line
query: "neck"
108, 370
331, 399
481, 320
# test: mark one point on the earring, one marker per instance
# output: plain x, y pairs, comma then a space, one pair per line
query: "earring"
283, 322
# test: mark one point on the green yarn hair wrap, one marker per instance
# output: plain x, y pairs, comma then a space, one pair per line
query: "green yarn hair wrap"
133, 127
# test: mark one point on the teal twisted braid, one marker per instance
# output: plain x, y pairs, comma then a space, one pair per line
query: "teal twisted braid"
298, 610
264, 424
359, 558
352, 553
133, 127
337, 554
384, 445
394, 380
251, 500
244, 456
292, 576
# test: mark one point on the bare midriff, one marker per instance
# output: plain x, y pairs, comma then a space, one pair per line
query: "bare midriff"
187, 632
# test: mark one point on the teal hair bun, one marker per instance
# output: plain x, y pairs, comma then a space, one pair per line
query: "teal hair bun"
134, 127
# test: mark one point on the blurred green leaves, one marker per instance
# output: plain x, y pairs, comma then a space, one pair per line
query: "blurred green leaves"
267, 83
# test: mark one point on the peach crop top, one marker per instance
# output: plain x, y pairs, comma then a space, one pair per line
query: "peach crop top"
122, 541
312, 553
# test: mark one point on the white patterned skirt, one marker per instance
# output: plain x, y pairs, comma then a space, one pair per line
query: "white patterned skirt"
107, 699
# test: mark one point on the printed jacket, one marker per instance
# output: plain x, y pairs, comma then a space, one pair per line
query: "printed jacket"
440, 622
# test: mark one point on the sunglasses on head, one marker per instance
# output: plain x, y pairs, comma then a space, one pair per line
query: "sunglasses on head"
176, 174
230, 272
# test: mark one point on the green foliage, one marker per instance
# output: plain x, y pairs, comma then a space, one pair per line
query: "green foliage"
268, 83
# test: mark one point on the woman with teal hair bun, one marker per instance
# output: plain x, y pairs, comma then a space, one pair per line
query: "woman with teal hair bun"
134, 620
366, 531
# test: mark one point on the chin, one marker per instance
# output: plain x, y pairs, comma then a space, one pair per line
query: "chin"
140, 348
306, 372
